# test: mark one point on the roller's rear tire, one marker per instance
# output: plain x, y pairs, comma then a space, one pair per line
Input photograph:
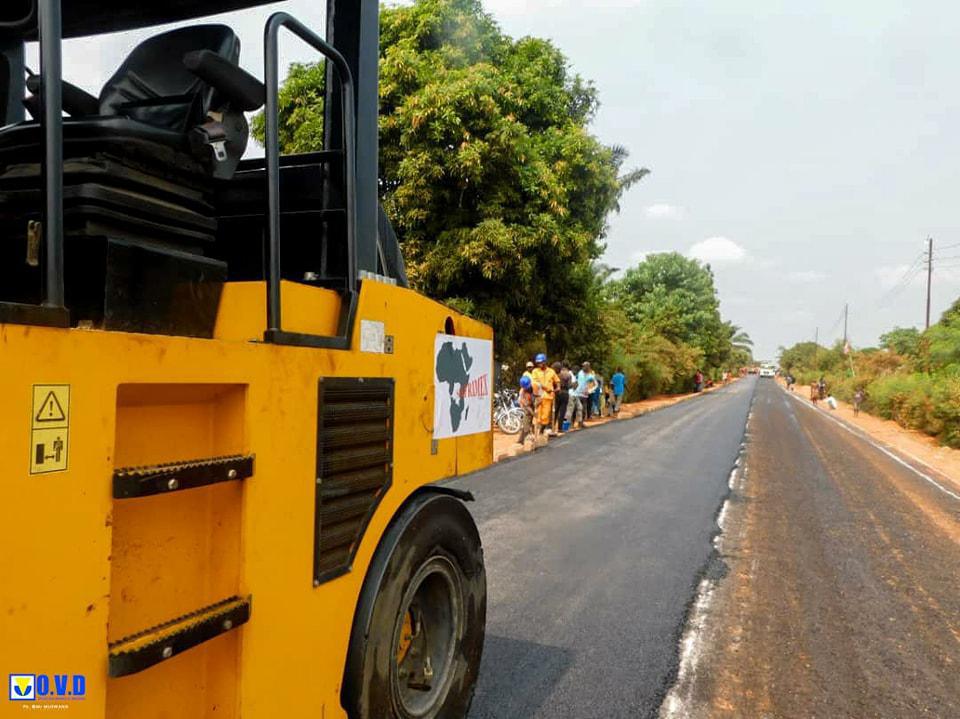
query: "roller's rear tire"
419, 628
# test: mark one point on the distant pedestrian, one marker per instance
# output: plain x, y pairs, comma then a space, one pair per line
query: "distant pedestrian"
574, 408
619, 384
698, 381
858, 398
814, 392
822, 387
562, 398
596, 396
790, 382
586, 383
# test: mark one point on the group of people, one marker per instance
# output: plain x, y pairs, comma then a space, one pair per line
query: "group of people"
558, 397
818, 391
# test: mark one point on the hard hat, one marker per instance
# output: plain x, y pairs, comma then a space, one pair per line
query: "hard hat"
525, 382
530, 365
541, 357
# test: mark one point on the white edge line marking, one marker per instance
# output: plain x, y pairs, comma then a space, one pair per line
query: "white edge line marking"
869, 440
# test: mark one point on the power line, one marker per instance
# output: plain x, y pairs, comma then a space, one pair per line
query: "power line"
908, 276
836, 324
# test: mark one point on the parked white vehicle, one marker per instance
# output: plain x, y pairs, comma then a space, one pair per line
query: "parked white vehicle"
768, 371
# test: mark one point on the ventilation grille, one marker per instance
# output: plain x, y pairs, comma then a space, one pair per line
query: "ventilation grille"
354, 466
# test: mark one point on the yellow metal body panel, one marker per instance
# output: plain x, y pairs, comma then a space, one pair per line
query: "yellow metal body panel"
79, 569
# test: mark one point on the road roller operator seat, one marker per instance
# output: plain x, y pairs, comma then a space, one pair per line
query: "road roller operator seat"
182, 89
141, 164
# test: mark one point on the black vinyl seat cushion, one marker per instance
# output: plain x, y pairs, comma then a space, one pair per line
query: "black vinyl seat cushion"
156, 88
119, 136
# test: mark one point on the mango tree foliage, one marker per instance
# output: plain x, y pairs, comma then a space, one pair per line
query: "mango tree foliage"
674, 297
301, 110
497, 189
492, 179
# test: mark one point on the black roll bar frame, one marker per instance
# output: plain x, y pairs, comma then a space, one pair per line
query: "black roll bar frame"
275, 333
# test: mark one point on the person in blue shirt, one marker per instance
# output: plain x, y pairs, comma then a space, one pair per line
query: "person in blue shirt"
586, 384
619, 382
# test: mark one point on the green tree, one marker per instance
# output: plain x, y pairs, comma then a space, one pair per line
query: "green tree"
902, 340
674, 296
497, 189
301, 109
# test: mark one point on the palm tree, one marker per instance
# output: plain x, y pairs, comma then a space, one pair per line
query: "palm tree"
740, 342
629, 178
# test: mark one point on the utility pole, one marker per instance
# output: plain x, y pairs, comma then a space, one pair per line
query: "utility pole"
929, 275
846, 308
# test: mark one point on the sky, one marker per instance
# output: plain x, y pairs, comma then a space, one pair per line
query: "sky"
805, 150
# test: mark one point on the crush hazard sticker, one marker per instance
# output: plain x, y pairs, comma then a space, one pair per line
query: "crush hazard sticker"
49, 428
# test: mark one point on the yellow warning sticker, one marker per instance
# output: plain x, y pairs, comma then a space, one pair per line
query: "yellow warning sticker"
49, 428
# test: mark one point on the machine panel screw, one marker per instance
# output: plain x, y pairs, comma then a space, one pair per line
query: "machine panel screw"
227, 624
173, 483
232, 474
167, 652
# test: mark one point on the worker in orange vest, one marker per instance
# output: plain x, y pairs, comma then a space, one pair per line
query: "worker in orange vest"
549, 383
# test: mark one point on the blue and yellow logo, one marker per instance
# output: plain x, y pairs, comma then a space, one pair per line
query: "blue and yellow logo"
23, 687
47, 687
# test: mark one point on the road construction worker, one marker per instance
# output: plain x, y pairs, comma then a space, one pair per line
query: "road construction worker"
528, 372
536, 390
527, 405
549, 383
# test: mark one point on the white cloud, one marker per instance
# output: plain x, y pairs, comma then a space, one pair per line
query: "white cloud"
807, 277
718, 250
663, 211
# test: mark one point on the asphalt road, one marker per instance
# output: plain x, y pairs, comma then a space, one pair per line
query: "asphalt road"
594, 549
842, 595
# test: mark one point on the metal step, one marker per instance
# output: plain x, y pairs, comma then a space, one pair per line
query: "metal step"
144, 649
132, 482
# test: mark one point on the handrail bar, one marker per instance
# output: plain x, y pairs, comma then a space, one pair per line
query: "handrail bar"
275, 331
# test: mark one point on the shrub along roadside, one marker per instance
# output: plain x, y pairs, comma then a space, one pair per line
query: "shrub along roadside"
914, 379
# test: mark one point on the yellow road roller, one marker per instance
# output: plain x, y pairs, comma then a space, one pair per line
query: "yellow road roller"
227, 420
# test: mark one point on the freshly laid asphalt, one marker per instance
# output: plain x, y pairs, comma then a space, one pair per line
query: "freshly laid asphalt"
842, 595
594, 548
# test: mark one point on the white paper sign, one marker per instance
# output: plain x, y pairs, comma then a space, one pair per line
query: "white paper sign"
462, 386
371, 336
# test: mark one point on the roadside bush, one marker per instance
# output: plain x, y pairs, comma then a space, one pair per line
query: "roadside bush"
919, 389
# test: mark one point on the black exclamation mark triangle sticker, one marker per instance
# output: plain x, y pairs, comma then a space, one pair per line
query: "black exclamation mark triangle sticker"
50, 410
